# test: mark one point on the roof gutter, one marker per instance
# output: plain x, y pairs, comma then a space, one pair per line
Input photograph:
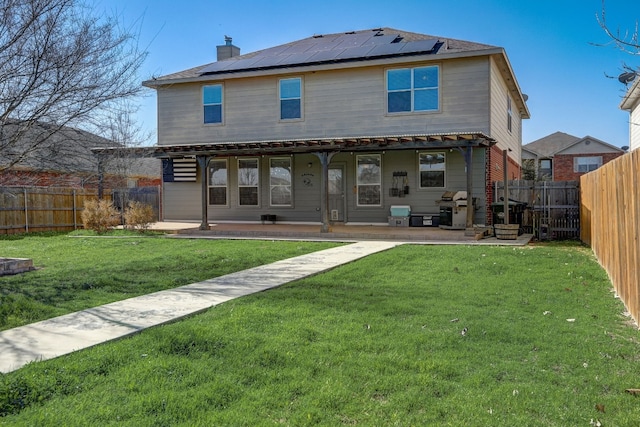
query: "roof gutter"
632, 96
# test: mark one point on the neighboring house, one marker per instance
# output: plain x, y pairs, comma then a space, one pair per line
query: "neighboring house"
564, 157
65, 159
630, 103
337, 127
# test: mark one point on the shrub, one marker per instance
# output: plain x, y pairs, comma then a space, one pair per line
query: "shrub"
99, 215
138, 216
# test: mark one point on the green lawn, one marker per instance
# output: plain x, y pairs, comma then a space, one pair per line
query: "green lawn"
79, 272
376, 342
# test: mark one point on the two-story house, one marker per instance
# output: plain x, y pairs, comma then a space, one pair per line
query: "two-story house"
338, 127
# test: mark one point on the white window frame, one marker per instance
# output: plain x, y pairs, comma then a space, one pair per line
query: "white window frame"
256, 185
221, 103
300, 99
412, 89
438, 167
360, 184
225, 186
273, 185
587, 162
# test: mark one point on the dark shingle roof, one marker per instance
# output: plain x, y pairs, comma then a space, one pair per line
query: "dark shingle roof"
332, 48
551, 144
66, 150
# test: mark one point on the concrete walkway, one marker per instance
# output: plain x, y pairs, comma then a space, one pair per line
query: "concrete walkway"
65, 334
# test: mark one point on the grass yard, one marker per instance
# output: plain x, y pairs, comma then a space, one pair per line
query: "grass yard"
79, 272
376, 342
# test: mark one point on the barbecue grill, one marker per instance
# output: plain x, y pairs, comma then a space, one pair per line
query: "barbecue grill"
453, 210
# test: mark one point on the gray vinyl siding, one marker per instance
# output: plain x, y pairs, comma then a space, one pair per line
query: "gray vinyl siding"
511, 140
634, 129
349, 102
182, 200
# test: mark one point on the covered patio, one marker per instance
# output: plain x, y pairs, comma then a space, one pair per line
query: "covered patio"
325, 149
337, 232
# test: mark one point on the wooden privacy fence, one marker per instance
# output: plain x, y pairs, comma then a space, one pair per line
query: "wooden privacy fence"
145, 195
553, 207
32, 209
610, 215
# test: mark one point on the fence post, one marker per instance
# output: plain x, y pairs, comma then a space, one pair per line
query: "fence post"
75, 225
26, 212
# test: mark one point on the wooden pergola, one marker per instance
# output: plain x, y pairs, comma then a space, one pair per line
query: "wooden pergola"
323, 148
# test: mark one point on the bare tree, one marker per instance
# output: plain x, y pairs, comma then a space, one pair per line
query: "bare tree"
627, 41
123, 132
62, 65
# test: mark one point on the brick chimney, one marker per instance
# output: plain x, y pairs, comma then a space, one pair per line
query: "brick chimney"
227, 50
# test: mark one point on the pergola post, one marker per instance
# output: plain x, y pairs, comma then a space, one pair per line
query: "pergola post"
468, 159
100, 177
203, 163
325, 160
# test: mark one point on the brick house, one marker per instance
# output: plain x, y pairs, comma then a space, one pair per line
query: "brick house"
65, 160
564, 157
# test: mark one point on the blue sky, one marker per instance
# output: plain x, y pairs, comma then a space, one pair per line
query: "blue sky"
550, 44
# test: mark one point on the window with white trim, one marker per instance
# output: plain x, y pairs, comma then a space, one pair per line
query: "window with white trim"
212, 103
586, 164
413, 89
290, 93
369, 179
432, 167
248, 182
280, 181
218, 182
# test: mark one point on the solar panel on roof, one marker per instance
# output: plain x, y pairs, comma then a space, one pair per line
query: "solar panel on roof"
419, 46
300, 47
242, 63
353, 40
327, 48
216, 66
386, 49
277, 50
382, 39
355, 52
325, 55
267, 61
296, 58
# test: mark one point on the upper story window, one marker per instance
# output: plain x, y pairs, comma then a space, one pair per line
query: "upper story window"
248, 182
586, 164
218, 181
432, 170
413, 89
280, 181
509, 114
290, 92
212, 102
369, 179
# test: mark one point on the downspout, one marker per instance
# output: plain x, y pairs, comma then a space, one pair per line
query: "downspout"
505, 163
